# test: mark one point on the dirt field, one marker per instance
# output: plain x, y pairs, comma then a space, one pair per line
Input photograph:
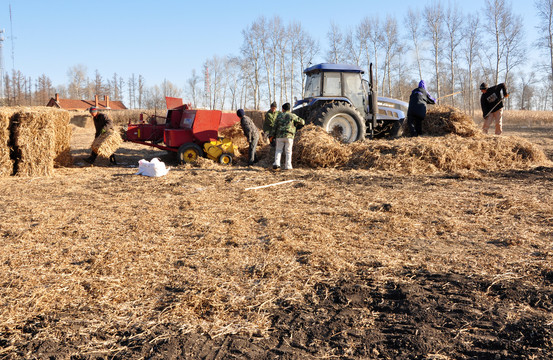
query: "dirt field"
99, 263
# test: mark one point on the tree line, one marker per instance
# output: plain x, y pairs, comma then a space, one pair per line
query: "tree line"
451, 50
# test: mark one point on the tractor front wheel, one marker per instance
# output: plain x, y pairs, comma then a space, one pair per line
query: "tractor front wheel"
189, 153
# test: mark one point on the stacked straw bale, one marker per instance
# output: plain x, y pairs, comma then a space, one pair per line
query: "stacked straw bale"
107, 143
6, 163
63, 131
39, 138
33, 137
257, 116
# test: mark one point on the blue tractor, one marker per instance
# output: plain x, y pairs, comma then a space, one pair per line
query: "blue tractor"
337, 98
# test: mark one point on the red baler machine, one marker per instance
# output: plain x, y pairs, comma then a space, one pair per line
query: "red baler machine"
189, 133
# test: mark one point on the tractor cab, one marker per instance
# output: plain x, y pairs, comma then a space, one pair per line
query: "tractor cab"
337, 98
335, 82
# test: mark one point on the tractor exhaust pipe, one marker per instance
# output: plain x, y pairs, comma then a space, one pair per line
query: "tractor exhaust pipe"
373, 100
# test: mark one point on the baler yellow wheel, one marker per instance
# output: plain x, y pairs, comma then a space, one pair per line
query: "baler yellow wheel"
189, 153
225, 159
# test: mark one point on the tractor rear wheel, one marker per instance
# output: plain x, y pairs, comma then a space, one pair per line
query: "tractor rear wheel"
189, 153
341, 120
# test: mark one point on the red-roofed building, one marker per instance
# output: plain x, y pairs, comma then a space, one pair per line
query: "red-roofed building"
70, 104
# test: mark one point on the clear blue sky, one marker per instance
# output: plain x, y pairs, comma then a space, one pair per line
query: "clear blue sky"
168, 39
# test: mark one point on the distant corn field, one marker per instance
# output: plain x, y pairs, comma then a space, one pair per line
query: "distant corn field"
527, 117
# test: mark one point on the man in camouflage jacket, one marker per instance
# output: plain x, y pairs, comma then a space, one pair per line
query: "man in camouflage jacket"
284, 131
270, 118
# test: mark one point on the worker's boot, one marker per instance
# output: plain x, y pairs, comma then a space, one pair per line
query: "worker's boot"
91, 158
112, 160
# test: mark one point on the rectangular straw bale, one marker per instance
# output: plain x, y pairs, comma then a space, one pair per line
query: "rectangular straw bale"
6, 163
107, 143
34, 139
63, 131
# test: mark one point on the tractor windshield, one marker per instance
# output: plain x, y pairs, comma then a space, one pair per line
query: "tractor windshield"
312, 85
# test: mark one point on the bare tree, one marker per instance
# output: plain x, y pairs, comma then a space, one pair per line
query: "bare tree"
362, 32
335, 39
98, 84
496, 16
44, 89
413, 24
113, 84
391, 45
376, 38
77, 81
527, 82
234, 80
260, 32
294, 32
193, 88
513, 41
434, 18
169, 89
278, 40
154, 98
353, 47
131, 83
252, 52
306, 50
471, 46
545, 27
140, 87
453, 24
215, 83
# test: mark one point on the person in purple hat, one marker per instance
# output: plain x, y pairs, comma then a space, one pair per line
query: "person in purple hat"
417, 108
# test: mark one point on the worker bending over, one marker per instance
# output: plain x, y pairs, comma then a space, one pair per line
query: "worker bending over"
492, 106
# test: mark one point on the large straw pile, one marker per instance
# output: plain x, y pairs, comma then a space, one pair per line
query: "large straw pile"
33, 137
442, 120
6, 163
316, 148
107, 143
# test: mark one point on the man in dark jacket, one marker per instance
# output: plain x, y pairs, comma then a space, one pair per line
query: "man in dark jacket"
492, 106
102, 123
252, 134
417, 108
